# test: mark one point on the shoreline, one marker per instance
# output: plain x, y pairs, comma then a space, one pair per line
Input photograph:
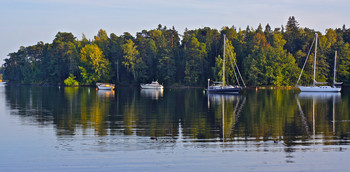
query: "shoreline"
168, 87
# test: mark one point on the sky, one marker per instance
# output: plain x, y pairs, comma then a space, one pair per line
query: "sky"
26, 22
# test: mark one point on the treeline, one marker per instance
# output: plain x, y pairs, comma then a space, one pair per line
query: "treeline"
265, 57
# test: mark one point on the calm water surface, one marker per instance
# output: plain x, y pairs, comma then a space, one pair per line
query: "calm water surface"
82, 129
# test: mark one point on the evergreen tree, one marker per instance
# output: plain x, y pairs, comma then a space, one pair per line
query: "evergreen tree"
343, 68
292, 36
115, 54
195, 55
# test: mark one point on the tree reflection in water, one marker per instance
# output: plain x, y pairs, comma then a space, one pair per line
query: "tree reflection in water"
254, 117
320, 99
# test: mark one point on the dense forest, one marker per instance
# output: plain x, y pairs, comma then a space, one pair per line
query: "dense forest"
265, 57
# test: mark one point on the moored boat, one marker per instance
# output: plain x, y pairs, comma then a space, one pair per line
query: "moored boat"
153, 85
221, 87
315, 88
319, 89
224, 89
105, 86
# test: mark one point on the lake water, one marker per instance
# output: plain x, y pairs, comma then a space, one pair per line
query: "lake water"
83, 129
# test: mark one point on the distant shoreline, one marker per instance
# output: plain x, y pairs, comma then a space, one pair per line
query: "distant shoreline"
168, 87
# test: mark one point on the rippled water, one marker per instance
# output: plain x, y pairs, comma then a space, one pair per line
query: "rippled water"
83, 129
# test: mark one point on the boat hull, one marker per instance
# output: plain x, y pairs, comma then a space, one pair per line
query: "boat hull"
104, 88
148, 86
151, 87
224, 90
319, 89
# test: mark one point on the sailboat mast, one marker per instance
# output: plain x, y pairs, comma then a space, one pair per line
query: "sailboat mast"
223, 64
335, 66
314, 84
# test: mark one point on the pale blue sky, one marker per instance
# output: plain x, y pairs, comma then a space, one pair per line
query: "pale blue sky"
26, 22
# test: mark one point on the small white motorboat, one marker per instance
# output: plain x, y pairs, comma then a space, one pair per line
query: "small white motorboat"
153, 85
105, 86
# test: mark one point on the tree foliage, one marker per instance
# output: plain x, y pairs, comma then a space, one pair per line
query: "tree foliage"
94, 65
130, 58
70, 81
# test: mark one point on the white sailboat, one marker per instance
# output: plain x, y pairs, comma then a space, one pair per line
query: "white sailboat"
221, 87
315, 87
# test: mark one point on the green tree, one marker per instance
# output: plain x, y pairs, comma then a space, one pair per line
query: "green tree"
102, 41
115, 54
88, 78
97, 68
230, 58
271, 65
130, 58
286, 71
147, 51
343, 68
59, 59
322, 59
70, 81
195, 55
292, 35
254, 68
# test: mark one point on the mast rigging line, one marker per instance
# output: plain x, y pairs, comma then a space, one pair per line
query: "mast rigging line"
232, 59
234, 71
307, 57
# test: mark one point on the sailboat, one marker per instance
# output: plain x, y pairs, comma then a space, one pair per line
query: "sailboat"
221, 87
315, 87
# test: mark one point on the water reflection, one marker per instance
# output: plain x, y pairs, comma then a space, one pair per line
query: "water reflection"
106, 93
154, 94
272, 117
220, 98
323, 105
230, 111
320, 95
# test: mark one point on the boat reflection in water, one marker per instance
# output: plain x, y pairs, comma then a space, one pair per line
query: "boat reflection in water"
154, 94
230, 111
106, 93
319, 95
321, 99
219, 98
